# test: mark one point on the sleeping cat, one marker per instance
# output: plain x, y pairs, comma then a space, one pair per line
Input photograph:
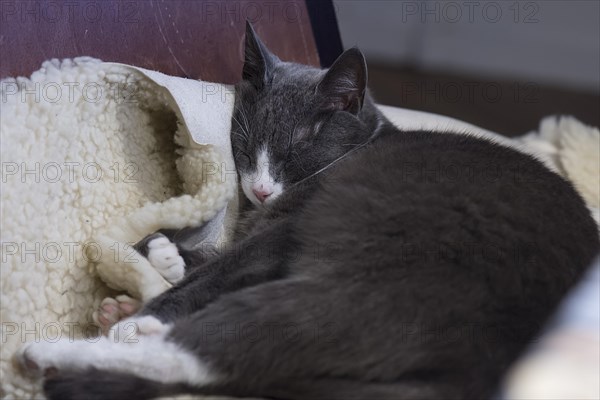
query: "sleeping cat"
371, 264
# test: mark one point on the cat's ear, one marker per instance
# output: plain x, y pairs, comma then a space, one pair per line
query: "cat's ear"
344, 84
258, 60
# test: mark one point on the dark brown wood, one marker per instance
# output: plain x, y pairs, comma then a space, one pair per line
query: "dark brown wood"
189, 38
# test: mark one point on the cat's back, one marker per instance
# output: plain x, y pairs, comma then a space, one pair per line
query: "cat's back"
427, 234
461, 205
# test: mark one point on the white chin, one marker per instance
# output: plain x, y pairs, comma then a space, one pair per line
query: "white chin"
256, 202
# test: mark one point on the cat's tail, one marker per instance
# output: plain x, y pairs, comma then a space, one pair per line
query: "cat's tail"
93, 384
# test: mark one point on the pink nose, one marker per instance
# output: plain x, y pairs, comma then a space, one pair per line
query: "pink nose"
261, 194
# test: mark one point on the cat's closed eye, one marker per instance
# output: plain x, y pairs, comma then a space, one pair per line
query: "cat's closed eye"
243, 159
290, 163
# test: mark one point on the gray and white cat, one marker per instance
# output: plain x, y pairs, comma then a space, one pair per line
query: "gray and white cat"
371, 264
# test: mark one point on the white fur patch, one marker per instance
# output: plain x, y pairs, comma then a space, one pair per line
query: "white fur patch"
164, 257
261, 178
150, 357
130, 329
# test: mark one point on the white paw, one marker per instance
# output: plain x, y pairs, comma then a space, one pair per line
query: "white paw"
153, 358
165, 258
131, 330
37, 359
25, 362
114, 310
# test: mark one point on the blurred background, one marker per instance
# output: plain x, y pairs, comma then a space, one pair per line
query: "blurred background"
502, 65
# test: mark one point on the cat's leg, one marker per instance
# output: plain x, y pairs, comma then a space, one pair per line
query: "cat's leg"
185, 242
303, 338
163, 255
255, 260
148, 355
278, 340
169, 258
150, 351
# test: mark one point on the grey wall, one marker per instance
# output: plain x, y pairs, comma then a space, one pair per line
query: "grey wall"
547, 42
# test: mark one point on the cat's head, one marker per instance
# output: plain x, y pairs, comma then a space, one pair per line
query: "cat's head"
291, 120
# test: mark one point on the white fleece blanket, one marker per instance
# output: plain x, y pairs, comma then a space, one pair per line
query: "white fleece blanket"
97, 155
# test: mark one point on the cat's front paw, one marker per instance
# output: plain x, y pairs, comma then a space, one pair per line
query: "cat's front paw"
130, 330
164, 256
113, 310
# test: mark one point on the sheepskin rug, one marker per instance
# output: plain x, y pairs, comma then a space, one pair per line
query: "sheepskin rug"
94, 157
573, 150
97, 155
